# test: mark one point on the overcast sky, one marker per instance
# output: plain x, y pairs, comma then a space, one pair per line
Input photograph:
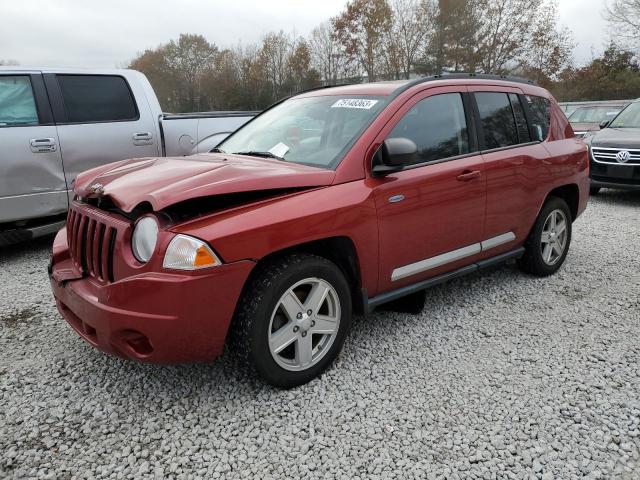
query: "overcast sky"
90, 33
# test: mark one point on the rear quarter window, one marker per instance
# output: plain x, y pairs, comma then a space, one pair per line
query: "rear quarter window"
97, 98
540, 109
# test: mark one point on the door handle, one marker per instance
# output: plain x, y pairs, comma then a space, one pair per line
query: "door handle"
43, 145
468, 175
142, 138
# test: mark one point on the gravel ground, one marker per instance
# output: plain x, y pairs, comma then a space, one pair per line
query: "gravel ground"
502, 376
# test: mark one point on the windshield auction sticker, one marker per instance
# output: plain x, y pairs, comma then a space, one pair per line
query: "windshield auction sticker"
280, 150
354, 103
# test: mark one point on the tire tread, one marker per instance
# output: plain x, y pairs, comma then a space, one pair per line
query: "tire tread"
264, 279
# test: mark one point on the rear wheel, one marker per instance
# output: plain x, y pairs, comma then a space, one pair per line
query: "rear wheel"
548, 242
594, 190
293, 319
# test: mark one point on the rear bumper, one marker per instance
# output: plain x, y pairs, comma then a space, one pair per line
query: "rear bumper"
154, 317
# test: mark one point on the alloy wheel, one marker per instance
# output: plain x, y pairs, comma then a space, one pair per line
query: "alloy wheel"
553, 241
304, 324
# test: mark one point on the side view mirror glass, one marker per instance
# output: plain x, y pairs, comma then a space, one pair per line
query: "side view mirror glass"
395, 154
604, 124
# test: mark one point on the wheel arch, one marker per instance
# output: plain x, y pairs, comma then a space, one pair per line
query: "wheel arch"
570, 193
340, 250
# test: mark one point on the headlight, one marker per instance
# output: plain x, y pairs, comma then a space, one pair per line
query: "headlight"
188, 253
144, 239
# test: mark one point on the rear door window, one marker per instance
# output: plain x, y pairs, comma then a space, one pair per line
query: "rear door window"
438, 126
497, 120
97, 98
540, 109
17, 103
524, 135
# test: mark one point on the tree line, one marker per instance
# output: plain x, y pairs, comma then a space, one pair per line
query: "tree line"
372, 40
369, 40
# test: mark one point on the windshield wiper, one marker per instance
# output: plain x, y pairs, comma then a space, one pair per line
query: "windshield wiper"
254, 153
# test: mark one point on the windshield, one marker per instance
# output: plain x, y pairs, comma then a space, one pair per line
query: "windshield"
628, 118
315, 131
593, 114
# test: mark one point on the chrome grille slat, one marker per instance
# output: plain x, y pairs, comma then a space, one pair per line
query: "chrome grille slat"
617, 149
607, 156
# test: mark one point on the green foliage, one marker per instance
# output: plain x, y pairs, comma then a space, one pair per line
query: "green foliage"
191, 74
387, 40
613, 76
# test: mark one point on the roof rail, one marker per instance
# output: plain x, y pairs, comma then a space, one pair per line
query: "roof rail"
313, 89
307, 90
462, 76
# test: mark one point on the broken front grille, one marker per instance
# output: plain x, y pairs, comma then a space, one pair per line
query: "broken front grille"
91, 244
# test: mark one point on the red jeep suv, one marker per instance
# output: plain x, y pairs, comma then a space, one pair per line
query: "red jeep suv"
333, 201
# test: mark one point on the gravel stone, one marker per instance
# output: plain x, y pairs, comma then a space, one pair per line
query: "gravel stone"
503, 375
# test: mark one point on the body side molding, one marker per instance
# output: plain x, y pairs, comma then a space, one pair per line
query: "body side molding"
448, 257
383, 298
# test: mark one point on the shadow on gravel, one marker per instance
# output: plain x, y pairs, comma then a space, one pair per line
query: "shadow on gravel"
13, 319
159, 386
26, 248
225, 380
618, 197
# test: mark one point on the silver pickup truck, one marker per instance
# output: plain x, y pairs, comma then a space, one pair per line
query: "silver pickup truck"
56, 123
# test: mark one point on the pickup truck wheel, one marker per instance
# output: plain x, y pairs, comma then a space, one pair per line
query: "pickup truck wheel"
293, 319
548, 242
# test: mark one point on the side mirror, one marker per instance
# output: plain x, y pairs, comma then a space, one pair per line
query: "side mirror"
604, 124
394, 155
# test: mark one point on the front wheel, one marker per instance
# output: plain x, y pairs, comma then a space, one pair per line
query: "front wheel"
548, 242
293, 319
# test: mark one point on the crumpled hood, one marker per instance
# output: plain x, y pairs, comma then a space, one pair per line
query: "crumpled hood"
167, 181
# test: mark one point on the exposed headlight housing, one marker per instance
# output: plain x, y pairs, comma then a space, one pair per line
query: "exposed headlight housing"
144, 238
188, 253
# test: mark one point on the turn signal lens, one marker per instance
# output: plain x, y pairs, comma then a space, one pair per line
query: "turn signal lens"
188, 253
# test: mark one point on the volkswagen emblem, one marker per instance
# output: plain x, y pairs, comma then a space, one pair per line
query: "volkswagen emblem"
98, 189
623, 156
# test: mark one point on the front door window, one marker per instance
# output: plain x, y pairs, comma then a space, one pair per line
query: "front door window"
17, 104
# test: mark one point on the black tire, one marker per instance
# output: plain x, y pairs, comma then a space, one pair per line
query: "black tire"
594, 190
251, 325
532, 261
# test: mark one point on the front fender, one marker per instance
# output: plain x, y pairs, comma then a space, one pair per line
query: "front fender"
255, 231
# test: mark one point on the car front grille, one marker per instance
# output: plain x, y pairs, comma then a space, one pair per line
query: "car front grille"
91, 238
609, 156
